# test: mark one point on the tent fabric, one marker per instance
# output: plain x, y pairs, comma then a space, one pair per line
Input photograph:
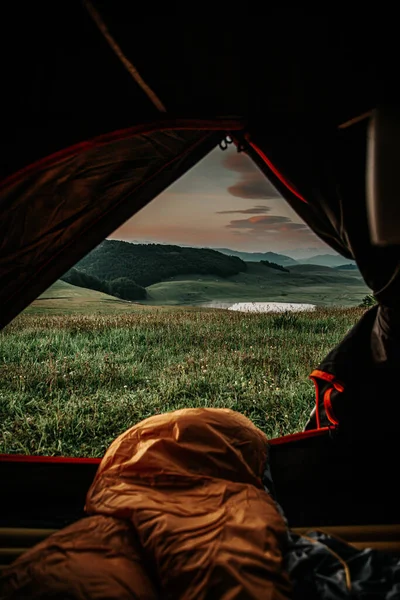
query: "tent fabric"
177, 509
362, 392
63, 83
328, 170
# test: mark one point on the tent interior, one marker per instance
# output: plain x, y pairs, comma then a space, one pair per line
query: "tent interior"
96, 124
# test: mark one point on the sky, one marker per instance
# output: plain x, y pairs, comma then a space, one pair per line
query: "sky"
223, 202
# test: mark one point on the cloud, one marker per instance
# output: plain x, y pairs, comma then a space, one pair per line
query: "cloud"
239, 162
267, 223
252, 187
253, 184
256, 210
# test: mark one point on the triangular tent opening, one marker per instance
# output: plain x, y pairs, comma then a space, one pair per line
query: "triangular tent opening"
91, 378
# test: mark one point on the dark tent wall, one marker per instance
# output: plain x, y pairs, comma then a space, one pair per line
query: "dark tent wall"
356, 383
63, 83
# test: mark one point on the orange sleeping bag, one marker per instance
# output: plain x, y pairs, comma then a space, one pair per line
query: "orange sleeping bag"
177, 510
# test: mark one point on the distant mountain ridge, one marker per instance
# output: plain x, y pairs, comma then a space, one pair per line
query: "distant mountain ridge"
299, 256
327, 260
324, 260
304, 253
279, 259
347, 267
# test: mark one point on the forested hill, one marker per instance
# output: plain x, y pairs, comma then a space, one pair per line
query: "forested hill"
146, 264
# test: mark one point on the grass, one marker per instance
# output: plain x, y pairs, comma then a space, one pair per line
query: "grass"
69, 384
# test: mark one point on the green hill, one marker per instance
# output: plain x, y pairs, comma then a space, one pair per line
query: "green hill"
61, 290
121, 287
63, 298
147, 264
66, 298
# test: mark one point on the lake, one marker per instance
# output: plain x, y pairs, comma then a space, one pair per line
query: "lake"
262, 306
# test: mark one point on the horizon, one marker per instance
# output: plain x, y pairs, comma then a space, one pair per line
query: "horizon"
294, 251
224, 201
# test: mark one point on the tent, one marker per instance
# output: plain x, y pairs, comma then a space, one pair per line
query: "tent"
106, 104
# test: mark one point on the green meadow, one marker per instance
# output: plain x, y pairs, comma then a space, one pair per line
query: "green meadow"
313, 284
78, 367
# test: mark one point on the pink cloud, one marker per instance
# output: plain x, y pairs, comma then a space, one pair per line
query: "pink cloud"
266, 223
246, 211
253, 184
